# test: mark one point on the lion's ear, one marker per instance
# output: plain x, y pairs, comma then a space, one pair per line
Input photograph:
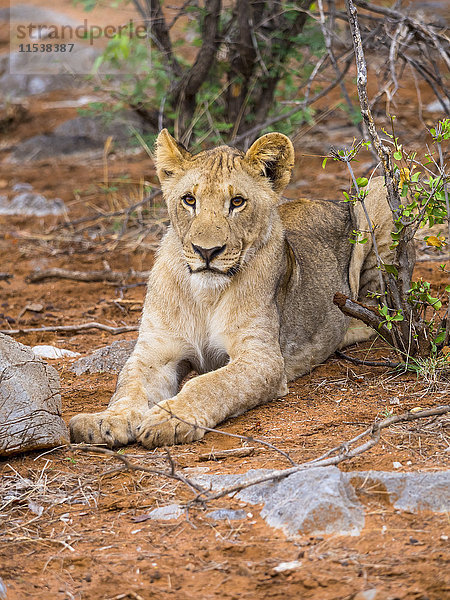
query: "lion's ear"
273, 155
170, 155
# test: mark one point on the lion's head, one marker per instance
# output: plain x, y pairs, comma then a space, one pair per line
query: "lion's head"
222, 202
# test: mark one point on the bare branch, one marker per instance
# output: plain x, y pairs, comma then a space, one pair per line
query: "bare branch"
369, 363
130, 466
73, 329
116, 213
89, 276
189, 85
367, 314
341, 453
405, 252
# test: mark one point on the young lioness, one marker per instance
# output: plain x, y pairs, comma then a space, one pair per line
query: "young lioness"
241, 291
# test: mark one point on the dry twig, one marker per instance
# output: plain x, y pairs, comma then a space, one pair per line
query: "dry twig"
90, 276
367, 314
231, 452
332, 457
369, 363
73, 329
116, 213
341, 453
131, 466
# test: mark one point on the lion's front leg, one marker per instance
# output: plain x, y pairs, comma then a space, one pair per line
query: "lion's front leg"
211, 398
151, 374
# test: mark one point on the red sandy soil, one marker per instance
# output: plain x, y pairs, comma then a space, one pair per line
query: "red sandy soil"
91, 547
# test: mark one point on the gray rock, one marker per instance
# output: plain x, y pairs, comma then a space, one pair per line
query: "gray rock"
47, 351
226, 514
34, 14
165, 513
22, 187
314, 501
3, 594
323, 500
31, 204
78, 136
411, 492
437, 107
30, 401
96, 129
109, 359
18, 80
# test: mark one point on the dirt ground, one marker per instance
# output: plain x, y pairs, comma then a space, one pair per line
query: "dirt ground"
76, 529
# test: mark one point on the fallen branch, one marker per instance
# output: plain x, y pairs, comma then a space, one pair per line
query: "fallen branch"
171, 474
369, 363
367, 314
5, 277
342, 453
231, 452
90, 276
332, 457
73, 329
245, 438
116, 213
427, 258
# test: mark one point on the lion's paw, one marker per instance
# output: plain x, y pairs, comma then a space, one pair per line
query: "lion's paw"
159, 428
108, 427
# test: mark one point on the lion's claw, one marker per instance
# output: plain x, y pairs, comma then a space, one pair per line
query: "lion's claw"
159, 428
108, 427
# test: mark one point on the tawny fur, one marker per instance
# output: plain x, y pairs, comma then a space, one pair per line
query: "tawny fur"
261, 315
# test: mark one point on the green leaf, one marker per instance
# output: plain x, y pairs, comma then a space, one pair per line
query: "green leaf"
398, 155
362, 182
324, 162
397, 317
440, 337
391, 269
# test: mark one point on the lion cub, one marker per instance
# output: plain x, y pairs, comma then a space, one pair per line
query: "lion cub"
241, 291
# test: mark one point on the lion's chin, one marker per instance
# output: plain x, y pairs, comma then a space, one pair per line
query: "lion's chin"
209, 280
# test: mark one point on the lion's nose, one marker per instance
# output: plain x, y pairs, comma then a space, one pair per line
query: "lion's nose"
208, 253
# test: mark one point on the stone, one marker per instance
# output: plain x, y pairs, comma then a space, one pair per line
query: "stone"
313, 501
96, 129
109, 359
33, 204
371, 594
166, 513
16, 84
46, 351
3, 594
30, 401
226, 514
437, 107
34, 14
22, 187
81, 135
291, 565
413, 492
323, 500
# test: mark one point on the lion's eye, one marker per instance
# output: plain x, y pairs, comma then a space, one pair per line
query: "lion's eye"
237, 202
189, 200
